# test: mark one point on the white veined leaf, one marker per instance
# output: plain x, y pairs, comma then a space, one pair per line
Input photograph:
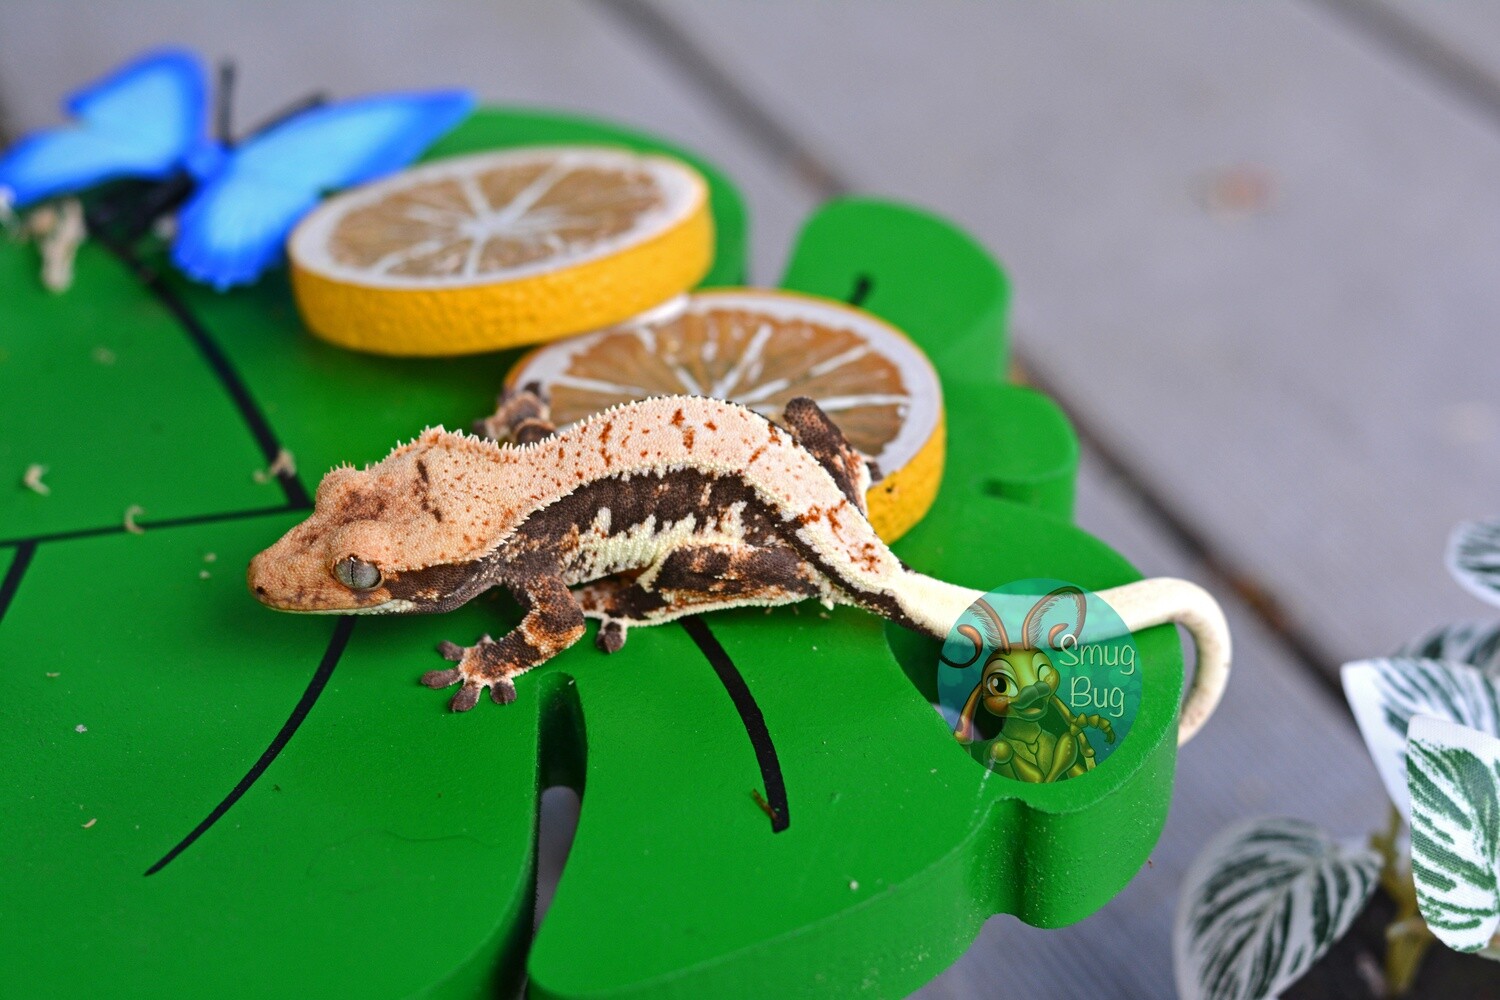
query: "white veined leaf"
1261, 904
1386, 693
1474, 558
1474, 643
1455, 831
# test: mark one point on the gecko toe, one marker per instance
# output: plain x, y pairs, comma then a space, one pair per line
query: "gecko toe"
467, 697
442, 678
450, 651
503, 691
611, 636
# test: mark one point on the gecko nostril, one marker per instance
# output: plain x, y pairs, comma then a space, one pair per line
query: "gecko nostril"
261, 591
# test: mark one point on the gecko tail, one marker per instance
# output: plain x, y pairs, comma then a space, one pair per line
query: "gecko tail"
933, 607
1160, 600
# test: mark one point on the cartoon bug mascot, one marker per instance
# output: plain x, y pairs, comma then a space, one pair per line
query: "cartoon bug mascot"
1039, 739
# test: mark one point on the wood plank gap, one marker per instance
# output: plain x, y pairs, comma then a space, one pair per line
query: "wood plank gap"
1297, 642
1412, 44
683, 53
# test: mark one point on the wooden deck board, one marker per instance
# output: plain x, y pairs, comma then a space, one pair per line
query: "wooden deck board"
1309, 383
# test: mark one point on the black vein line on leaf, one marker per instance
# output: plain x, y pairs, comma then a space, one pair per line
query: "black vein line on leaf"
336, 644
862, 288
250, 411
12, 581
750, 715
144, 525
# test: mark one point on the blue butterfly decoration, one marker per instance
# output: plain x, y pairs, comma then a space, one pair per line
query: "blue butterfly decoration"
147, 121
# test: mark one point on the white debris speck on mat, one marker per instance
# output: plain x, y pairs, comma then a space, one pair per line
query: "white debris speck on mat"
210, 556
132, 512
284, 465
59, 245
204, 574
91, 822
103, 355
53, 673
853, 886
33, 480
80, 728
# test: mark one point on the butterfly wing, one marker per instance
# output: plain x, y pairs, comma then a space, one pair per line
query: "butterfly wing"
142, 120
236, 225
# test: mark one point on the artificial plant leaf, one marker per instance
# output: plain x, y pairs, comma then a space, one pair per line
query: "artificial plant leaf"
1454, 773
1262, 902
1386, 694
1474, 643
1474, 558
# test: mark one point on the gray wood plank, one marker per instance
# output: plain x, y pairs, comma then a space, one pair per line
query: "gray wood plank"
1455, 43
1468, 26
1279, 744
1310, 383
530, 54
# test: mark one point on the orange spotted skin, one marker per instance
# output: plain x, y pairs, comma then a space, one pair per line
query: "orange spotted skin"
638, 515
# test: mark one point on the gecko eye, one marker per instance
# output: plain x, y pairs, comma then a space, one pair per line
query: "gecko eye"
356, 574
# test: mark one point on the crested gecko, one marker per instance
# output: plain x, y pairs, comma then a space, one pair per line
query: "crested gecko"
638, 515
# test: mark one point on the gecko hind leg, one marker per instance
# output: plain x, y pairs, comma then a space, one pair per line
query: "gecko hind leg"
552, 623
695, 579
521, 417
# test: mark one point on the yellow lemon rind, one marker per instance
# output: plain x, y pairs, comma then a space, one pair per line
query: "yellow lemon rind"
442, 322
900, 500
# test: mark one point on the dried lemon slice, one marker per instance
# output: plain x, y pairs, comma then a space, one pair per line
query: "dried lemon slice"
762, 348
487, 251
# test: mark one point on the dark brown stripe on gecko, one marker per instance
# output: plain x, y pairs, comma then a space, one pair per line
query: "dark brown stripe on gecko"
634, 500
723, 572
441, 587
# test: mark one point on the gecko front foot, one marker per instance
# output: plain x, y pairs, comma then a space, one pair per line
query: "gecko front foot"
479, 666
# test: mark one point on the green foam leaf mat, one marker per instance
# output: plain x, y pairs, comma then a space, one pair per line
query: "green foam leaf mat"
201, 796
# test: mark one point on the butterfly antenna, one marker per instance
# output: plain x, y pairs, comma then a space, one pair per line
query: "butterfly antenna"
223, 120
316, 100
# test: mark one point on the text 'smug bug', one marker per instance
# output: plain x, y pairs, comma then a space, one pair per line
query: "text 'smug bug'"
1040, 680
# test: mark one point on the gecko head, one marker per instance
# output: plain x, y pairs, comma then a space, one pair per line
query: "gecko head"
388, 539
